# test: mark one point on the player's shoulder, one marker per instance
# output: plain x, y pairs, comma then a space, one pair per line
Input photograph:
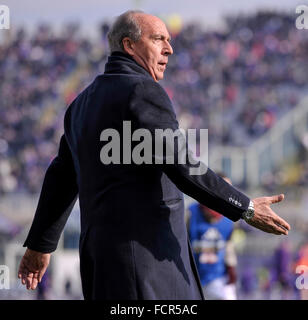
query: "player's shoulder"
193, 210
193, 206
192, 214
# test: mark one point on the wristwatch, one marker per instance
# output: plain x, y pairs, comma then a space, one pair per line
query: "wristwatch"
250, 212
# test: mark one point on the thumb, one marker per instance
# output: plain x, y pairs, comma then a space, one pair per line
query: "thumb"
277, 198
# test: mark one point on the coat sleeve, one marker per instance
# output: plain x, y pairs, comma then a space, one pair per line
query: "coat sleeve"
57, 198
152, 109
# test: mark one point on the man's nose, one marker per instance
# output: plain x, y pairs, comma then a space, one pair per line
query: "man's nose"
167, 49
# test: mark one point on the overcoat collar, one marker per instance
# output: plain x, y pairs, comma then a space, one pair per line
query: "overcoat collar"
122, 63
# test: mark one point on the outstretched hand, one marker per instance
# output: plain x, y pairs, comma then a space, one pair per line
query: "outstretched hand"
265, 218
32, 268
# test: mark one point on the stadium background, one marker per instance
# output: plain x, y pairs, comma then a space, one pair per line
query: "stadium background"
239, 70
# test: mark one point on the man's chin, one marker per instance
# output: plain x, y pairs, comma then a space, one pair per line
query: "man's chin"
160, 76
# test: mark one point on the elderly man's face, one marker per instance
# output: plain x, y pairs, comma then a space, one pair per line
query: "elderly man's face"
153, 48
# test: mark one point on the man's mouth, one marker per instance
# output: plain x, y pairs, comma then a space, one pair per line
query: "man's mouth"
164, 64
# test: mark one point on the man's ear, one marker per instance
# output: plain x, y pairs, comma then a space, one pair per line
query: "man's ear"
128, 46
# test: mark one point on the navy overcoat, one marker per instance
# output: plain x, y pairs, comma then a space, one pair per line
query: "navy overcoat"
133, 242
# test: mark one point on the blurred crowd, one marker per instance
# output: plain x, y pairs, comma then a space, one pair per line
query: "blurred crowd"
280, 276
38, 81
238, 83
235, 82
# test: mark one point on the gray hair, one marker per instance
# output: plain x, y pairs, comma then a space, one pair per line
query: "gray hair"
124, 26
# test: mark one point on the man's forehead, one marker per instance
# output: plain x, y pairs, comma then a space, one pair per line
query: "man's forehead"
152, 25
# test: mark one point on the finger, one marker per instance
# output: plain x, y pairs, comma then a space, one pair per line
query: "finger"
35, 280
282, 223
264, 227
30, 275
276, 198
282, 231
29, 280
21, 269
23, 274
23, 278
272, 227
34, 283
279, 229
28, 283
273, 230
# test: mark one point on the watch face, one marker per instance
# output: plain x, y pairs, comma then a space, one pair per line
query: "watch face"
249, 213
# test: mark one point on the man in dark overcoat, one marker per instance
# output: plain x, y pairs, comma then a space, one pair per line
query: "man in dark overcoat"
133, 242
